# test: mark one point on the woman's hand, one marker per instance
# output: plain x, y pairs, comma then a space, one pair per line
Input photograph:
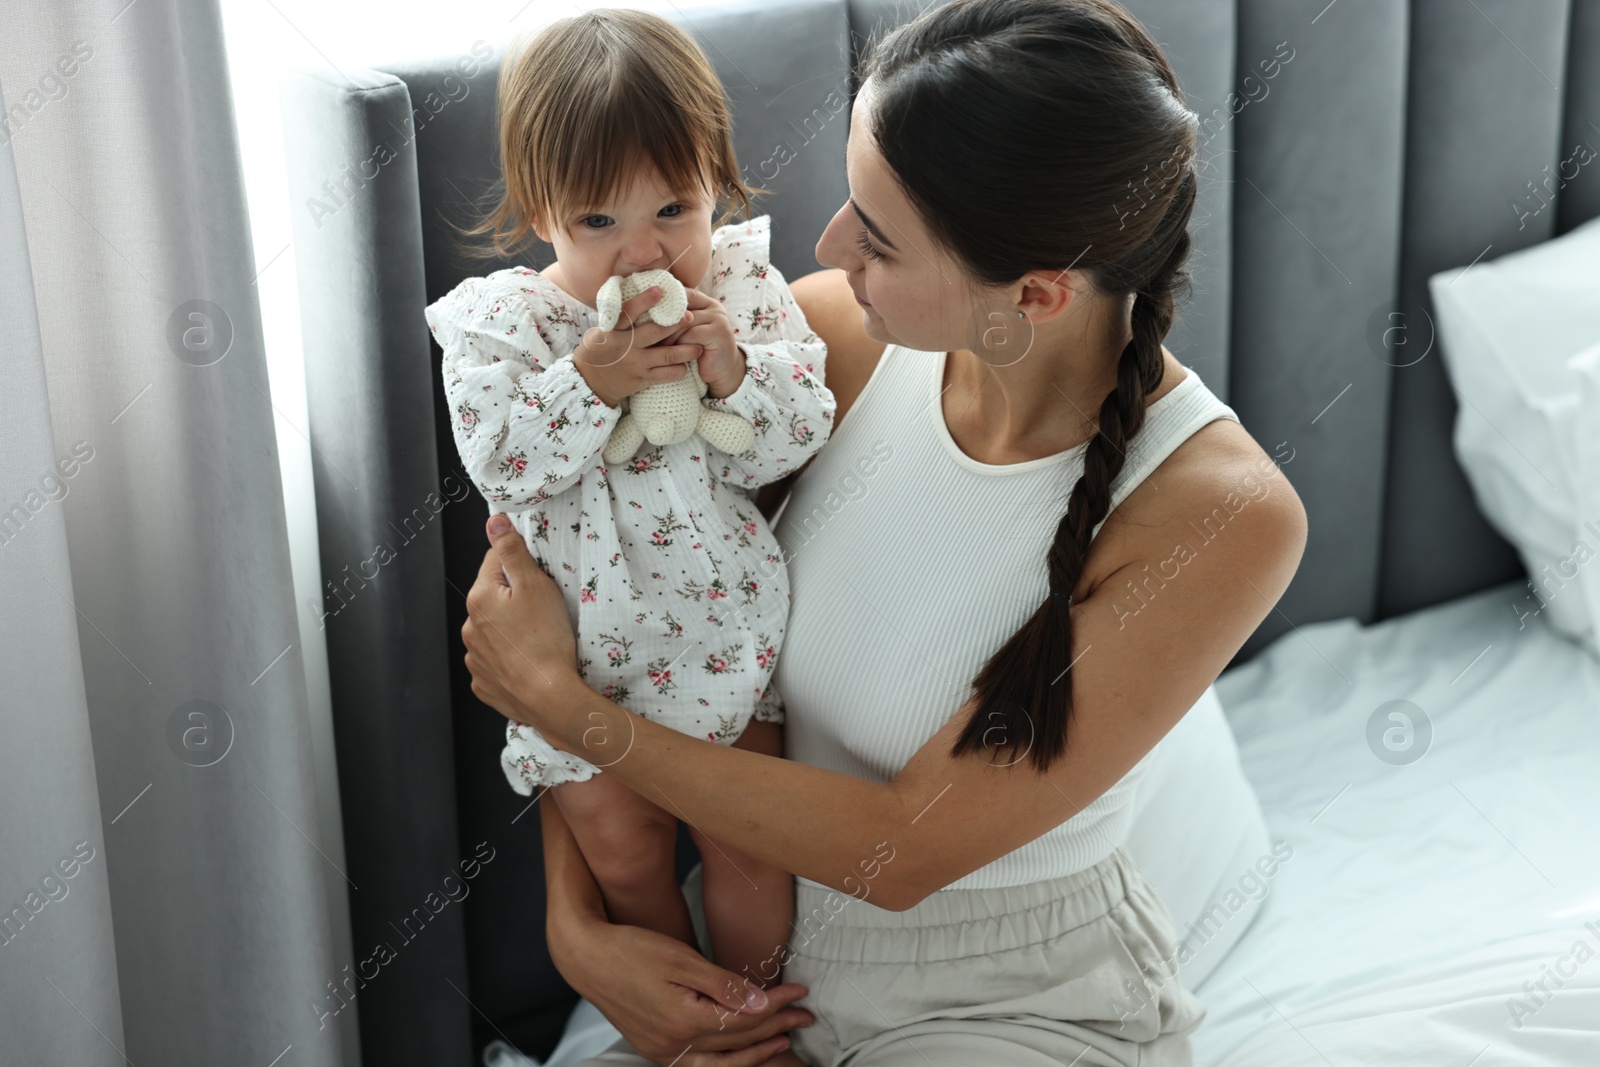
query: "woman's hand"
660, 993
521, 649
672, 1004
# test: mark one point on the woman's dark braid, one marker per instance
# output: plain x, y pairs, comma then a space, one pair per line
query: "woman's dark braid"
1139, 371
1122, 414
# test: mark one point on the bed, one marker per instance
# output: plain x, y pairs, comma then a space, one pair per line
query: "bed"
1353, 150
1427, 898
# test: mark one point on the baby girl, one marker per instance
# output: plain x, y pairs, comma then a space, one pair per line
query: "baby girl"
615, 141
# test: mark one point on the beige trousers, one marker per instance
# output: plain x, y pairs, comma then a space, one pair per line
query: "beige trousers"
1077, 970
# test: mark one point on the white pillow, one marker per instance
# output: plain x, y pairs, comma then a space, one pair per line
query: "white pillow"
1585, 427
1512, 331
1197, 833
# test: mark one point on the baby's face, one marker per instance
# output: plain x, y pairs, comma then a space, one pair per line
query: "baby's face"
642, 227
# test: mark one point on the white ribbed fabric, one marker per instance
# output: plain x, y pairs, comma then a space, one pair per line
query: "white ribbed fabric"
911, 563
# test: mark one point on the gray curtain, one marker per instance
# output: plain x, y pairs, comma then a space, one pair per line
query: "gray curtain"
164, 895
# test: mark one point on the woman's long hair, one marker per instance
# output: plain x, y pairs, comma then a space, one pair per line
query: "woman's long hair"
1039, 134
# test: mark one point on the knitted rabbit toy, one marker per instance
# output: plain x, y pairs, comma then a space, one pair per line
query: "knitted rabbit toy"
667, 412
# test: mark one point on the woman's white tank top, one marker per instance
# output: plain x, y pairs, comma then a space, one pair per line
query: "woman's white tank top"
911, 563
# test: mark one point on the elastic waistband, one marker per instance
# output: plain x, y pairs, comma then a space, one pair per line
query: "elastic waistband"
955, 923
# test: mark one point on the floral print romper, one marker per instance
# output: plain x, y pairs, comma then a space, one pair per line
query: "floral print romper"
674, 581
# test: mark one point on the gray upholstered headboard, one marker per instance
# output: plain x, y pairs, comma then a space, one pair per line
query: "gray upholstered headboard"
1352, 148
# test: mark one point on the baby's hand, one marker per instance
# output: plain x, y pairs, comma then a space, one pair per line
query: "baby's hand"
722, 362
620, 362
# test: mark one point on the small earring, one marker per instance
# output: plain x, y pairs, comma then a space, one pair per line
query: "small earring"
1022, 314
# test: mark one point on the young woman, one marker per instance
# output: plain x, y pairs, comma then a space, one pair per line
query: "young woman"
1032, 542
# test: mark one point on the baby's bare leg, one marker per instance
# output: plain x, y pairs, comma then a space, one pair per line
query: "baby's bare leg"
749, 925
749, 904
628, 843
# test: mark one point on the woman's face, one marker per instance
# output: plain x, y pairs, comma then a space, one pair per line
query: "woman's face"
915, 294
642, 227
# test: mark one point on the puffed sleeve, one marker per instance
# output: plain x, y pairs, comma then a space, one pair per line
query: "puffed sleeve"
782, 393
525, 421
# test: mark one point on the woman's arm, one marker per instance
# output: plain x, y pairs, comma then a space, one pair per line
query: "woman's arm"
940, 817
662, 995
573, 897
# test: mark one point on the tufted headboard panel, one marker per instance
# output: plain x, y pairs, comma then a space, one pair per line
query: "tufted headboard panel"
1351, 149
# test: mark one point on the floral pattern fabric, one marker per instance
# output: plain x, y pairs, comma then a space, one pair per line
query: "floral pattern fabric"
672, 577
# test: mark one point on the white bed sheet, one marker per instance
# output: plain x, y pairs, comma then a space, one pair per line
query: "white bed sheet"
1420, 897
